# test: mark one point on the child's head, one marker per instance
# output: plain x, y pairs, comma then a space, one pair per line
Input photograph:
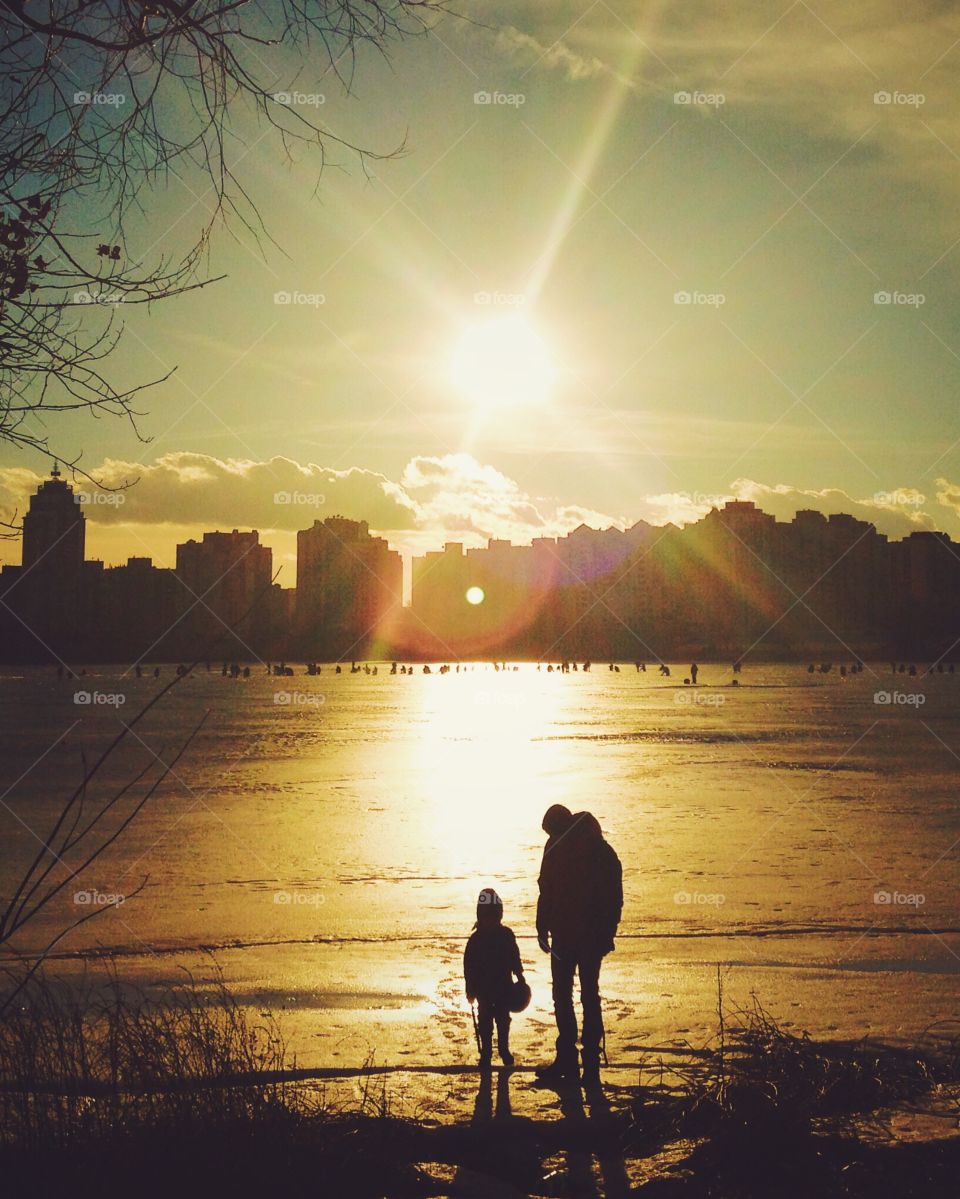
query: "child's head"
489, 907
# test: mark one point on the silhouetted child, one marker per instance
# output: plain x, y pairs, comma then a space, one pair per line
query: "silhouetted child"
490, 961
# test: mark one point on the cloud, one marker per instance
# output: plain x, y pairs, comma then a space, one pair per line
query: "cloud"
897, 512
948, 494
453, 497
183, 494
460, 496
527, 49
181, 488
814, 69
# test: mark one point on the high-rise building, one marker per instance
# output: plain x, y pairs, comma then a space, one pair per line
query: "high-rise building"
736, 582
47, 595
226, 579
132, 612
922, 598
349, 589
54, 528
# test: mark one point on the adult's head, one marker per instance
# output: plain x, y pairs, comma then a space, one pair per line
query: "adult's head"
556, 820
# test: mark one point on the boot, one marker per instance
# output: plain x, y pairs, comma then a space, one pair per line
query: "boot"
561, 1072
503, 1042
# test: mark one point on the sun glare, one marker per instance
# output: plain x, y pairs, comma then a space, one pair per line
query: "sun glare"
475, 595
502, 363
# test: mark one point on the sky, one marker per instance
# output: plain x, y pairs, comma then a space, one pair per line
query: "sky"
686, 252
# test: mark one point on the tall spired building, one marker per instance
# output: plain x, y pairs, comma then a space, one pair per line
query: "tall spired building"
48, 593
54, 528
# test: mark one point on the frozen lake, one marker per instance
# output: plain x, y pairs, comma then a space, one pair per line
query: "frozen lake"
326, 836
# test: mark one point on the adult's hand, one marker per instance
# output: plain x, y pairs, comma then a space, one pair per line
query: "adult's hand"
544, 943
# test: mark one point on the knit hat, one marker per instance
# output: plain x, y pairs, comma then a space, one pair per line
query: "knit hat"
489, 905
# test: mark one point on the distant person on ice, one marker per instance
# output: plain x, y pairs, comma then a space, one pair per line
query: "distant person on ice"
581, 897
490, 961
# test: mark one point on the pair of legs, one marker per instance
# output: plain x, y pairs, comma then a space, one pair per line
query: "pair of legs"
489, 1014
564, 964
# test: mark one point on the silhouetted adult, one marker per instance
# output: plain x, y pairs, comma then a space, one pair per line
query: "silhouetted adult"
581, 897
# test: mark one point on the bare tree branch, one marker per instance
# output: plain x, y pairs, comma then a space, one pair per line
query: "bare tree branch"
101, 103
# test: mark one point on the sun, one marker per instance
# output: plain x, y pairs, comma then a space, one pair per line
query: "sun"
503, 362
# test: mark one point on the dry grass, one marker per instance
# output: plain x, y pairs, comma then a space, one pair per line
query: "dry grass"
78, 1066
185, 1093
770, 1112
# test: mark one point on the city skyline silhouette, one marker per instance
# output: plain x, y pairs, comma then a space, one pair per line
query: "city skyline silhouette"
736, 584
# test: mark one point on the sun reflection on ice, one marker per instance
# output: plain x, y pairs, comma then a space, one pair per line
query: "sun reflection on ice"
488, 780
